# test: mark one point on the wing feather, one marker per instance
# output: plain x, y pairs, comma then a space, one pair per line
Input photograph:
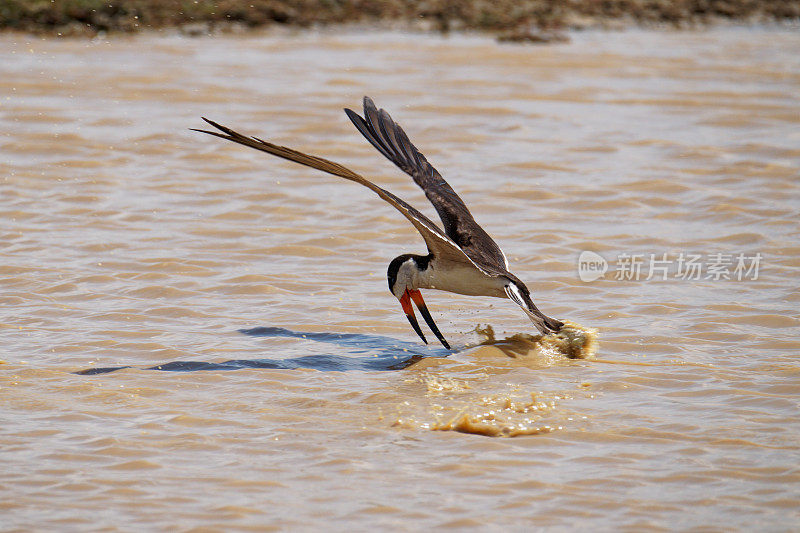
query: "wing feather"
391, 141
436, 240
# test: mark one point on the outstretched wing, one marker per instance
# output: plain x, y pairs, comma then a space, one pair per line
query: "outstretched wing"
390, 140
437, 241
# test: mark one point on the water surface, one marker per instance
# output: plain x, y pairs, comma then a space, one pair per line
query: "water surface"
286, 397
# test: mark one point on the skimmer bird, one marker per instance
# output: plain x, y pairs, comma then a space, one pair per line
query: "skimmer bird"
461, 259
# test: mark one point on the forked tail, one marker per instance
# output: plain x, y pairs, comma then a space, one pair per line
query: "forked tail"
519, 293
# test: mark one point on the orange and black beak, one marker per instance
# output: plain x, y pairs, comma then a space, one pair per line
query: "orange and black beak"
405, 301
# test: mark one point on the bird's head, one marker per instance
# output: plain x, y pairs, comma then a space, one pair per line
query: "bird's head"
403, 275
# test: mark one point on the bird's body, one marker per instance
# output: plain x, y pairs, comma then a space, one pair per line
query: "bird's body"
457, 278
462, 258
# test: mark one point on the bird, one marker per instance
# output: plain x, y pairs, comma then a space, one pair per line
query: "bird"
462, 258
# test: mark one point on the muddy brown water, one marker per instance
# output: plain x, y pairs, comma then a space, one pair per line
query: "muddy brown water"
268, 383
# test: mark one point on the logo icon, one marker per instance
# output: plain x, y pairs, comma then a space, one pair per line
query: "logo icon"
591, 266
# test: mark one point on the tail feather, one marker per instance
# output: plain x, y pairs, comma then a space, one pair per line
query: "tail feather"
520, 295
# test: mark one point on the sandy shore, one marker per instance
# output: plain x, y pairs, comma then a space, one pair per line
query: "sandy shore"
512, 20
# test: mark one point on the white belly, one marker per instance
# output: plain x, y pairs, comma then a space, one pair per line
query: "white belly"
460, 279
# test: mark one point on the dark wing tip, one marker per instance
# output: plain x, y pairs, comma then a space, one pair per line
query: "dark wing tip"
364, 127
351, 114
214, 133
369, 106
220, 126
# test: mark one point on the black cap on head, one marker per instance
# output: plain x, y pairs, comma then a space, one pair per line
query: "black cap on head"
394, 268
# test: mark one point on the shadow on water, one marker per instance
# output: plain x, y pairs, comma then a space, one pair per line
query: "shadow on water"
365, 352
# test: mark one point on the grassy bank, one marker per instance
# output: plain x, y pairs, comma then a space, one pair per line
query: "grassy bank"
71, 17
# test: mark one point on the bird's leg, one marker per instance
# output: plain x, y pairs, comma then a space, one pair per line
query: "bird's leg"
423, 309
405, 301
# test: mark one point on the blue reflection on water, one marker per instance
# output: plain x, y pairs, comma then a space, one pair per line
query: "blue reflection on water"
364, 352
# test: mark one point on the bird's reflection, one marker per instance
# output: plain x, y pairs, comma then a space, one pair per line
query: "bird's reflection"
378, 352
364, 352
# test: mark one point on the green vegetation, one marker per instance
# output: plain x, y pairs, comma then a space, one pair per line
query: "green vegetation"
70, 17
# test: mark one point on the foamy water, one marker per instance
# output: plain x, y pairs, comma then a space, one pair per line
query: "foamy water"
272, 380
